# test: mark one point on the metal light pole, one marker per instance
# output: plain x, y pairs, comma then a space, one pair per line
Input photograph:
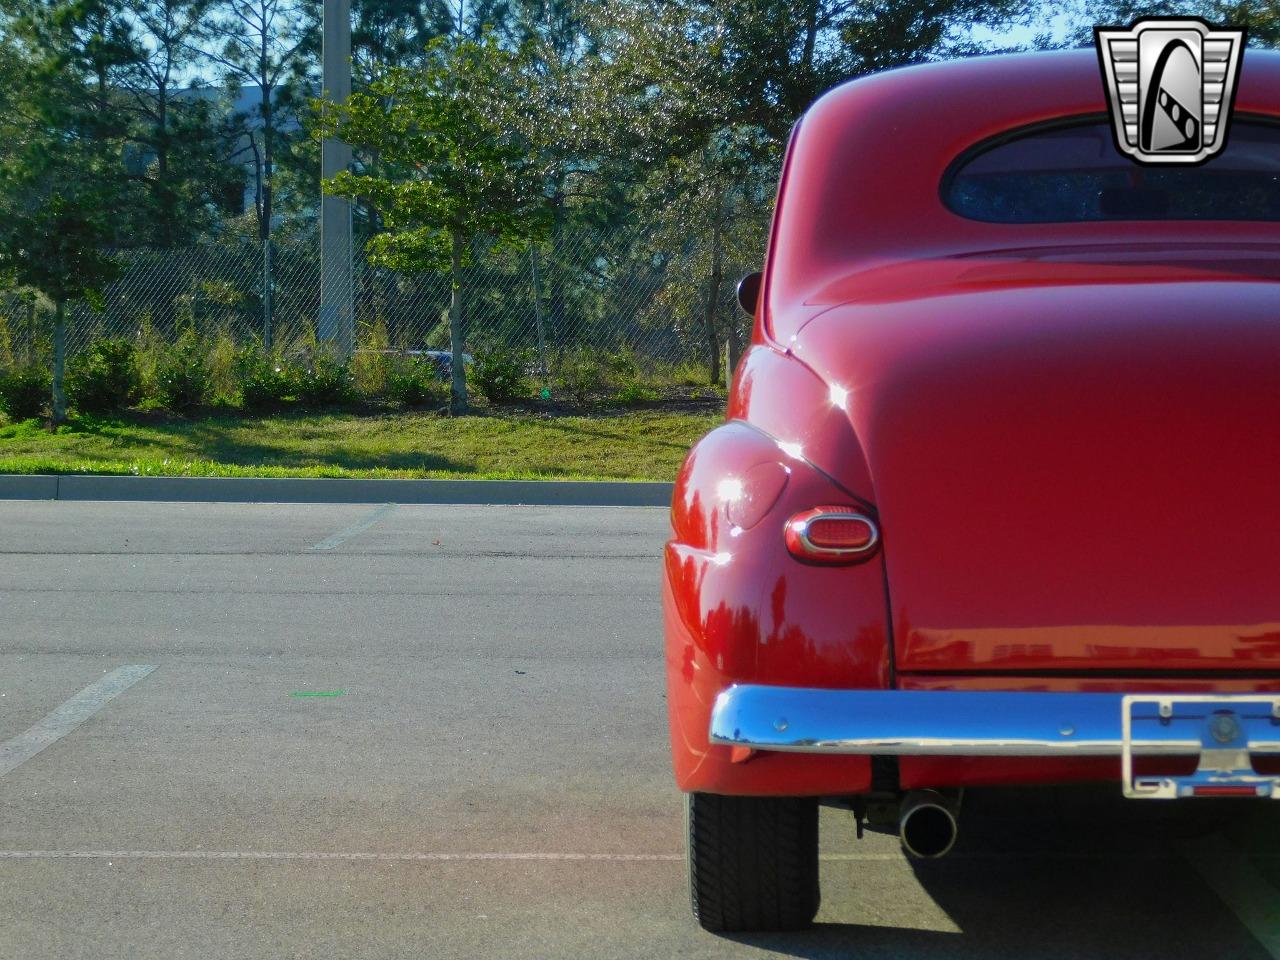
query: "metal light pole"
337, 315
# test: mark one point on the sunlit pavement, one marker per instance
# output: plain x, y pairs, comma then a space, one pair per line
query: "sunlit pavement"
439, 732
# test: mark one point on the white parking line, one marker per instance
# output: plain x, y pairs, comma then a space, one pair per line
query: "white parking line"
1228, 872
448, 857
321, 855
359, 527
69, 715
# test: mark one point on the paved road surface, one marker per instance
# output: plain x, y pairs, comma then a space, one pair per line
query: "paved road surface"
492, 780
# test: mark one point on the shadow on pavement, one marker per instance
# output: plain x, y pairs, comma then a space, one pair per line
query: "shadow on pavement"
1062, 873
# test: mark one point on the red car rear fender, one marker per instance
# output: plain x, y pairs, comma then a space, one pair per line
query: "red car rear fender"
739, 608
803, 414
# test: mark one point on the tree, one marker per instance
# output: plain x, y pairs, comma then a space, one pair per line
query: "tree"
60, 184
1261, 18
701, 95
393, 33
133, 58
388, 35
178, 145
722, 189
464, 159
89, 37
262, 44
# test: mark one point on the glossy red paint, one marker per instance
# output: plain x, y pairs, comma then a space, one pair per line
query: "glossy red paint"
859, 212
1072, 482
1065, 432
739, 607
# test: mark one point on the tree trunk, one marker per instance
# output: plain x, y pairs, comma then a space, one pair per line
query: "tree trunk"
264, 222
458, 395
553, 277
713, 301
734, 333
735, 352
383, 307
165, 314
537, 311
162, 167
810, 40
32, 357
268, 333
59, 399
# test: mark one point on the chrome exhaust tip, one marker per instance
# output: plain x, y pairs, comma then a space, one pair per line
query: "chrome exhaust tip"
927, 824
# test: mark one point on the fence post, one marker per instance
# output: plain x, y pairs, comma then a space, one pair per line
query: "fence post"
59, 398
268, 339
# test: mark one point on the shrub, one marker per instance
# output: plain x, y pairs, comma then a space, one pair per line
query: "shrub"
24, 393
270, 382
580, 375
104, 377
499, 375
181, 380
221, 364
634, 393
265, 383
622, 364
325, 382
374, 361
687, 373
417, 384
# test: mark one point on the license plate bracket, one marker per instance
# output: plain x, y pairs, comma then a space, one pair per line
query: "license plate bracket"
1224, 731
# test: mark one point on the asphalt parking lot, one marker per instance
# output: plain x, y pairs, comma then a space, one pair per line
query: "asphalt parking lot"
437, 732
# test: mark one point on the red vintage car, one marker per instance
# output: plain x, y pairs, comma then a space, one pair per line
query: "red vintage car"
997, 500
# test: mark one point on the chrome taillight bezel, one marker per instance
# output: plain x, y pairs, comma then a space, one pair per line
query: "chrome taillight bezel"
796, 535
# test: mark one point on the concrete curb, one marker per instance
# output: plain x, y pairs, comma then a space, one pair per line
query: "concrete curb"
36, 487
566, 493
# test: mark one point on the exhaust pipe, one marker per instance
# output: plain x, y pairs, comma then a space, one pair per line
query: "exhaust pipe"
927, 823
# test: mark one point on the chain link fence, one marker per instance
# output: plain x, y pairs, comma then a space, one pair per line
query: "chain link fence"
584, 289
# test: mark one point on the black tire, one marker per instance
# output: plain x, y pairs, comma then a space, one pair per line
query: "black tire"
753, 862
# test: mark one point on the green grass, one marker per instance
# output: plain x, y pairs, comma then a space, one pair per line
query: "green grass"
645, 445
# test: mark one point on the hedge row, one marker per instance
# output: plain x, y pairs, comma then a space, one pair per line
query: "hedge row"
195, 373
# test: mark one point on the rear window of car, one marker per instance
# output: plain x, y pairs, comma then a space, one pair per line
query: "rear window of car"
1073, 172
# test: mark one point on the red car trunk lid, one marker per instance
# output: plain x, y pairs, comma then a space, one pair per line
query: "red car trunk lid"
1071, 477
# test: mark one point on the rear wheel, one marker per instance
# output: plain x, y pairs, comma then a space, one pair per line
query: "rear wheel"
753, 861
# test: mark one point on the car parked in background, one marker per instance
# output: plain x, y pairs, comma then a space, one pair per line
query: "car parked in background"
996, 501
443, 360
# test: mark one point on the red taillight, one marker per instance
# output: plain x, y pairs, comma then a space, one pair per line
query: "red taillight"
841, 533
832, 535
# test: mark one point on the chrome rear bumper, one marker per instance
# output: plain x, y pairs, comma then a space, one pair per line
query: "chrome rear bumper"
1223, 730
928, 722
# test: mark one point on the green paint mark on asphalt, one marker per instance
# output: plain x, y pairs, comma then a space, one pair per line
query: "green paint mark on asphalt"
317, 693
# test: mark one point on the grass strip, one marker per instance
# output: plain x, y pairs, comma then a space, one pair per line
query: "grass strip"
641, 445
